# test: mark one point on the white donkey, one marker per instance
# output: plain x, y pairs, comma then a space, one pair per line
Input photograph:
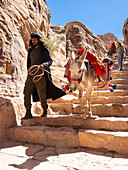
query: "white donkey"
82, 78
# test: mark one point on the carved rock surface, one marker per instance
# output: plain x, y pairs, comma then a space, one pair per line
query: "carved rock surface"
125, 32
79, 36
7, 116
18, 19
108, 38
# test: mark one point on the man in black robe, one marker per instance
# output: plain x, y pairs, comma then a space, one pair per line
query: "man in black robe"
43, 89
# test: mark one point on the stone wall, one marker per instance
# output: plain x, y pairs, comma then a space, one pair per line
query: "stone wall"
79, 36
18, 19
108, 38
125, 32
7, 116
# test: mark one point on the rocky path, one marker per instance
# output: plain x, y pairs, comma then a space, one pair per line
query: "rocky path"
17, 155
64, 140
64, 127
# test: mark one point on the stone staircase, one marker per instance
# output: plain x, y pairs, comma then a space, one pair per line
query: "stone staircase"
64, 127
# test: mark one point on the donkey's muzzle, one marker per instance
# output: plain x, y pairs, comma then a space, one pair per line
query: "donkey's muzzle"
73, 86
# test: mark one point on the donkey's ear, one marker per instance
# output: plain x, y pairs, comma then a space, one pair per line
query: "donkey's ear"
82, 57
72, 56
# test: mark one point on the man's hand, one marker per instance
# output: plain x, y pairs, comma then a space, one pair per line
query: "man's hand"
41, 67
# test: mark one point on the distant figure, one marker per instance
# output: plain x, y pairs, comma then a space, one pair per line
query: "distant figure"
112, 50
120, 55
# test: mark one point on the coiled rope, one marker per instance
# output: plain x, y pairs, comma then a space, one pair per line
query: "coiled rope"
35, 68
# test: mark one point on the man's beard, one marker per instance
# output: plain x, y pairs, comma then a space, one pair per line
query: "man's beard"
35, 45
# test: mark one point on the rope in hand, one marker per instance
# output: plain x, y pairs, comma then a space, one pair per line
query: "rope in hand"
35, 68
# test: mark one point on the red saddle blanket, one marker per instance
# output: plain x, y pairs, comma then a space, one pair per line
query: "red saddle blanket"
97, 64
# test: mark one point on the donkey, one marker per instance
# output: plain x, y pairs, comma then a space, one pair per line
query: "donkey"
82, 78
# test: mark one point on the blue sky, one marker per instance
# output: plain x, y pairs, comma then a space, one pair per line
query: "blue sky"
100, 16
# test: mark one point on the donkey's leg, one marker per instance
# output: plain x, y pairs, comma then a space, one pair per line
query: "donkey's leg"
88, 99
81, 103
89, 110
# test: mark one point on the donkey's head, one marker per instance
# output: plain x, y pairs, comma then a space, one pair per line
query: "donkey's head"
76, 70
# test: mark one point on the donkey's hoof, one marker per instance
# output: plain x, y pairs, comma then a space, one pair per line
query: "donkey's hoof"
90, 114
84, 116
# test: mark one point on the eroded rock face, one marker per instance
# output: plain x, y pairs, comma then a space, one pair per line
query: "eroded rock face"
125, 32
73, 36
79, 36
7, 116
108, 38
57, 45
18, 19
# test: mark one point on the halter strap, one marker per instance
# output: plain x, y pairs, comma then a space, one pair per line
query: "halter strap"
69, 77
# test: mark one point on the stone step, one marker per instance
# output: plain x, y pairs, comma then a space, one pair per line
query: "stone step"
125, 66
109, 99
119, 87
44, 135
66, 137
112, 141
117, 92
119, 81
117, 71
115, 81
107, 110
102, 110
94, 100
108, 93
93, 123
125, 62
120, 75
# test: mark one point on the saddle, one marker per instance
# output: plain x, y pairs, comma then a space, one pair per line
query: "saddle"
97, 64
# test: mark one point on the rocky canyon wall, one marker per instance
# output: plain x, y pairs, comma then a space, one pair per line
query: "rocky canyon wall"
18, 19
125, 32
73, 36
108, 38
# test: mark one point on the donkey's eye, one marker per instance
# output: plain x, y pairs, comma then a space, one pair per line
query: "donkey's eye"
79, 71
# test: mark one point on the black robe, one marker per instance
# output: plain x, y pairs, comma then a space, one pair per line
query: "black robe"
51, 90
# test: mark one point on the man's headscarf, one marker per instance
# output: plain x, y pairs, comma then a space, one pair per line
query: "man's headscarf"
36, 35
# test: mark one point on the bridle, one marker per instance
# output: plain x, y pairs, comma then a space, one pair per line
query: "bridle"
71, 79
69, 74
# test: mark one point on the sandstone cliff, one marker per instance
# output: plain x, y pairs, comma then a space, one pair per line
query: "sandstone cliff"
125, 32
108, 38
18, 19
73, 36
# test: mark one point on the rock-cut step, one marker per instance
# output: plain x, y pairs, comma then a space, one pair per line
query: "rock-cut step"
104, 123
120, 75
94, 100
112, 141
118, 87
102, 110
66, 137
108, 93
